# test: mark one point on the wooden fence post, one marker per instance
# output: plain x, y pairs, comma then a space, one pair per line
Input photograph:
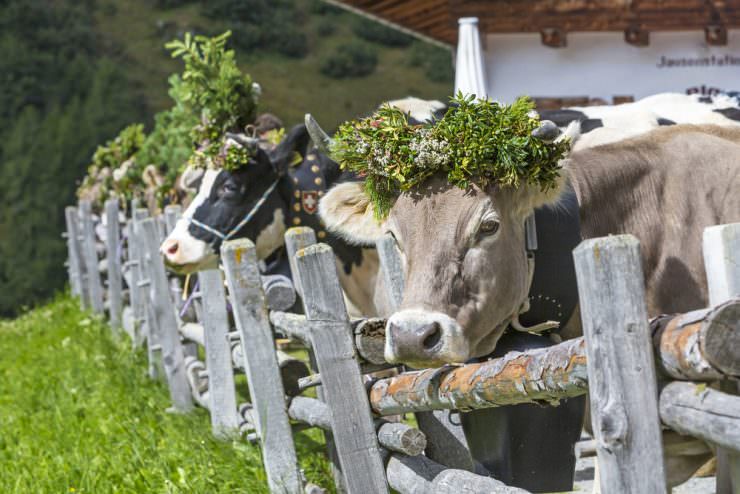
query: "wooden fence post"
90, 255
621, 371
136, 265
261, 365
76, 264
221, 391
172, 213
344, 391
298, 238
721, 248
166, 319
115, 283
446, 442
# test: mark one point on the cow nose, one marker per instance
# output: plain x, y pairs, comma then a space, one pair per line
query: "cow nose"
417, 336
170, 247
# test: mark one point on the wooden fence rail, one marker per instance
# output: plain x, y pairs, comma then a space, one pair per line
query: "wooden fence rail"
620, 360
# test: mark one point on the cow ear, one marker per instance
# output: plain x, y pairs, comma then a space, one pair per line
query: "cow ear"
296, 141
348, 212
191, 178
526, 198
151, 176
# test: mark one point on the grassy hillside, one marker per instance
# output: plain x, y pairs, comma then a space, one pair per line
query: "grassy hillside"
291, 87
79, 415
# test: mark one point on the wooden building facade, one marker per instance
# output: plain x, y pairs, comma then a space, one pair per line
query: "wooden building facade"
581, 51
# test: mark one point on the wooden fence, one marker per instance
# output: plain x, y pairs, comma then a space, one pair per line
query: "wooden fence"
640, 373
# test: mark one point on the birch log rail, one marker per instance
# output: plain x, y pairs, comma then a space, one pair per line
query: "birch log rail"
701, 345
543, 375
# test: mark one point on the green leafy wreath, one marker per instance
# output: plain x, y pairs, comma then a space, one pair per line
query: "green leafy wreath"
478, 142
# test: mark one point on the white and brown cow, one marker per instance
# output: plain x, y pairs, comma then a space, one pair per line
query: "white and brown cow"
464, 258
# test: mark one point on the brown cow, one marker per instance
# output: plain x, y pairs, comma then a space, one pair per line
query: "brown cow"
463, 251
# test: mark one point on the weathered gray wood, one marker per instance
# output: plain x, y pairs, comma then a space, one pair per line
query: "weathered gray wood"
265, 385
292, 370
446, 441
701, 411
115, 281
291, 325
621, 371
164, 312
586, 448
221, 391
139, 295
543, 374
314, 489
402, 438
420, 475
344, 392
90, 258
279, 292
392, 269
193, 331
172, 213
161, 225
297, 238
370, 339
721, 248
702, 345
76, 264
197, 375
394, 436
310, 411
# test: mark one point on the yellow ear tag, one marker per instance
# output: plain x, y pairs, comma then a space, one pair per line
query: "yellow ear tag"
186, 287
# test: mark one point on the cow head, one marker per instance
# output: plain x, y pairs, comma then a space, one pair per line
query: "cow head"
225, 198
464, 260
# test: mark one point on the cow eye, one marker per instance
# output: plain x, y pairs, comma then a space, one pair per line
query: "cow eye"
488, 226
230, 188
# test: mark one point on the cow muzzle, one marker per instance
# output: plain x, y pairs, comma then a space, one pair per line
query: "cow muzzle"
422, 338
185, 254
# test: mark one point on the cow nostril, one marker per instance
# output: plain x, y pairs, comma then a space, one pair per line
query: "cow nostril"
434, 335
172, 249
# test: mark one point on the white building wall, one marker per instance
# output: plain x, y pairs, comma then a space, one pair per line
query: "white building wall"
603, 65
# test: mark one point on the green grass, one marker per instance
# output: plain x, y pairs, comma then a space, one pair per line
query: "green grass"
78, 414
291, 87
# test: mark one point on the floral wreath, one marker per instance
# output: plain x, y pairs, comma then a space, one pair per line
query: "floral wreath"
478, 142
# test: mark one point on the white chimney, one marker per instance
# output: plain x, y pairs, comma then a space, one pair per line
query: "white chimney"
470, 69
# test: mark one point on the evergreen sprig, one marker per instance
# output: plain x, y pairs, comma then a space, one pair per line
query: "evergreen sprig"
98, 184
214, 87
478, 142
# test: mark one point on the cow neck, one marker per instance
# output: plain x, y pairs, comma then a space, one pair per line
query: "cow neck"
553, 292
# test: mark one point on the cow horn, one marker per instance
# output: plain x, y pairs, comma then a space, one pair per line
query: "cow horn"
320, 138
242, 139
547, 131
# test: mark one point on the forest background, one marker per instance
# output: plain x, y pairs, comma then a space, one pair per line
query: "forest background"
73, 73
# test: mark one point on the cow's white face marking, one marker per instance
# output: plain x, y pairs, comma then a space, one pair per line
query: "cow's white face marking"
271, 237
191, 253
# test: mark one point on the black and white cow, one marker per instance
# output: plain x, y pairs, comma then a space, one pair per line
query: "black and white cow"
611, 123
275, 190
